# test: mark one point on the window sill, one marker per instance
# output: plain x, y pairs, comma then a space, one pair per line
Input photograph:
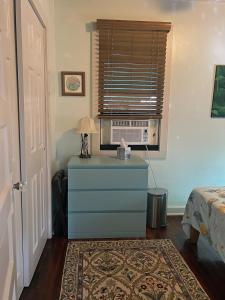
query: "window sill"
133, 147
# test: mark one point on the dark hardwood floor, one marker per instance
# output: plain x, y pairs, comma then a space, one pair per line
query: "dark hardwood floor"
202, 260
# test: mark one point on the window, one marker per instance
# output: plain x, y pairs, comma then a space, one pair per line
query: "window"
131, 57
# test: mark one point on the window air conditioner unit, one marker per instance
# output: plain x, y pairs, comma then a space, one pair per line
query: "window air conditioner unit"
134, 132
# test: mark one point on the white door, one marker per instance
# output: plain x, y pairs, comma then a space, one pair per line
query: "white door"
32, 99
11, 259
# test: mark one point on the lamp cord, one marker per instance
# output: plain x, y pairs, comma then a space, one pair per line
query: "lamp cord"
153, 175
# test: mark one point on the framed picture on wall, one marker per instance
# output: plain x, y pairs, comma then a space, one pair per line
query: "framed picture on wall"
218, 103
73, 83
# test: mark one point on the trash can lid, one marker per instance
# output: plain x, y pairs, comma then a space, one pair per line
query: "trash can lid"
157, 191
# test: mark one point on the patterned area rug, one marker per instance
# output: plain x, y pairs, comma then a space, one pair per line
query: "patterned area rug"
127, 270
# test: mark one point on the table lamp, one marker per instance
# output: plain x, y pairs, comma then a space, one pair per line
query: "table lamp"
86, 126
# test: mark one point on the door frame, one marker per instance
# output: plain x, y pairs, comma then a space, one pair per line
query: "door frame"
43, 19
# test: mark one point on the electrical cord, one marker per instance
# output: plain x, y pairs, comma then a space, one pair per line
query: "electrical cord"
153, 175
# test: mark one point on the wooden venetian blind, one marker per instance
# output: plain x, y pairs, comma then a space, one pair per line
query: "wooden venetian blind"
132, 56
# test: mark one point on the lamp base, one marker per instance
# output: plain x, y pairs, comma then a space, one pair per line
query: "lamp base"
85, 156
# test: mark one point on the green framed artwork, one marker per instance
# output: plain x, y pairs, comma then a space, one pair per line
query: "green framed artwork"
218, 103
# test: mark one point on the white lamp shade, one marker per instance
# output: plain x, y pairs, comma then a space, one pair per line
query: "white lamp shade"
86, 125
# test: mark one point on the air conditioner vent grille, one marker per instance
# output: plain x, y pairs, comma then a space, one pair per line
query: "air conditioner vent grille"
129, 135
127, 123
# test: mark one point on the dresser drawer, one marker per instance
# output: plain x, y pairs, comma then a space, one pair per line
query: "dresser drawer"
107, 178
107, 201
95, 225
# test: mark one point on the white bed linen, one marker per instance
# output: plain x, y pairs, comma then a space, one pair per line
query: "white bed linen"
205, 211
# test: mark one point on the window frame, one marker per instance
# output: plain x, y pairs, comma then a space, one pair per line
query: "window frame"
160, 152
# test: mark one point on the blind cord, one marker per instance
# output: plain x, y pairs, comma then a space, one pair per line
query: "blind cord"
153, 175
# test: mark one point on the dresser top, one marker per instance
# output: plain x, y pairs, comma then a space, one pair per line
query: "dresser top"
100, 162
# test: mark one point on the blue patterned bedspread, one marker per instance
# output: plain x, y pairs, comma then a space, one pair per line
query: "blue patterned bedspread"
205, 211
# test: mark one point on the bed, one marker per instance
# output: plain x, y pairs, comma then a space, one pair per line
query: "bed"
205, 214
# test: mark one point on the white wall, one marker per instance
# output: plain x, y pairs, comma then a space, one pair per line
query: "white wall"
196, 142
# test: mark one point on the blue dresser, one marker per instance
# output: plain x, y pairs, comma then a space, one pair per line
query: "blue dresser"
107, 197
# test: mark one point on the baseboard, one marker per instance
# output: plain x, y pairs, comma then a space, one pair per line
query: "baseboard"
175, 210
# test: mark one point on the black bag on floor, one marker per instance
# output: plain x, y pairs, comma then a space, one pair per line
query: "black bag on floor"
59, 203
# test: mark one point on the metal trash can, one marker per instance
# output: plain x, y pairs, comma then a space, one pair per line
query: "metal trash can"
156, 207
